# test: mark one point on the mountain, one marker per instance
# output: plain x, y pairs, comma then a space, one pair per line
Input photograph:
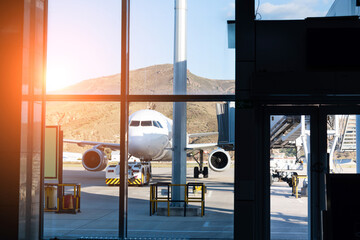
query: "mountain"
99, 121
157, 79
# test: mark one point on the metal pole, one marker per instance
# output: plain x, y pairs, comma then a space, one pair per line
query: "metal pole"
179, 111
332, 147
304, 139
125, 25
357, 144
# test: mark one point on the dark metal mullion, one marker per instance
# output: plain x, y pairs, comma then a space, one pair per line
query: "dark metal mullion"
85, 98
180, 98
318, 152
273, 100
43, 122
142, 98
267, 196
125, 18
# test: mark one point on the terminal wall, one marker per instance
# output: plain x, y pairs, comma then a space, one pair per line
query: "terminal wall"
283, 63
313, 56
21, 90
11, 25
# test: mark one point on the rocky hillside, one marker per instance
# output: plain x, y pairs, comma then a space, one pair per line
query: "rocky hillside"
157, 79
99, 121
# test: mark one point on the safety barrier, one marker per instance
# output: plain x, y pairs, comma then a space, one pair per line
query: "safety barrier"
131, 182
66, 203
295, 184
155, 198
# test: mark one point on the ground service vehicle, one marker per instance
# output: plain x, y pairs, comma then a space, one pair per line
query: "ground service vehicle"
139, 173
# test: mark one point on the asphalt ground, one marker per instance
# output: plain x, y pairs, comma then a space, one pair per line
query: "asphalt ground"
100, 203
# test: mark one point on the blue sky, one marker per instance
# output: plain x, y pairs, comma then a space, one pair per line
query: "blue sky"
152, 36
84, 36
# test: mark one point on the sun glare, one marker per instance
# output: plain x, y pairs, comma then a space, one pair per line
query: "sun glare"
56, 79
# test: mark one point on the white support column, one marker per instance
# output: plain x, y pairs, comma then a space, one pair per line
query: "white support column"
304, 139
332, 149
179, 111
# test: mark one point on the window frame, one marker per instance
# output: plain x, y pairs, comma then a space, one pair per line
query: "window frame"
124, 99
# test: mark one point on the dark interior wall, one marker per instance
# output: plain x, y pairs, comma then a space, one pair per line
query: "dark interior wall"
11, 40
314, 56
21, 93
311, 61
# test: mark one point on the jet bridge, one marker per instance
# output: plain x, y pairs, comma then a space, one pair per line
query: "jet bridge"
284, 130
292, 131
347, 140
289, 131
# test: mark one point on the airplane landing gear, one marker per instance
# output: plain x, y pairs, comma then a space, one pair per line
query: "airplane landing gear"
201, 169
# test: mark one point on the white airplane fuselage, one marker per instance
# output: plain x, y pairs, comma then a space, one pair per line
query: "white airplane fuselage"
149, 139
150, 135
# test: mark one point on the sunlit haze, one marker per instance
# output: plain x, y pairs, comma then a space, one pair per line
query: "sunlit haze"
83, 41
84, 36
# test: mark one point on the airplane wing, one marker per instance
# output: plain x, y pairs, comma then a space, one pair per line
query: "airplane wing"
190, 135
200, 145
192, 146
112, 146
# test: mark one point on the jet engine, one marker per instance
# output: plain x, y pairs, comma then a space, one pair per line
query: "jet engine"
94, 160
219, 160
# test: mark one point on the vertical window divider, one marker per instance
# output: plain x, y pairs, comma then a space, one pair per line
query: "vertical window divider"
125, 28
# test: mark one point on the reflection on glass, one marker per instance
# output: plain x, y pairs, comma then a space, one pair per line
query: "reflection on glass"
210, 62
291, 9
83, 170
343, 8
290, 155
341, 140
83, 47
206, 161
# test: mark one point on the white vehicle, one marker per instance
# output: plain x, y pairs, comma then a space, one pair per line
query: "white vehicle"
139, 173
150, 139
284, 169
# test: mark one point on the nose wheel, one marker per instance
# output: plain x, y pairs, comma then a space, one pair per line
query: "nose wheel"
200, 169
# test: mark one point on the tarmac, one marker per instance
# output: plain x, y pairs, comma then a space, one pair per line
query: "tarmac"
100, 203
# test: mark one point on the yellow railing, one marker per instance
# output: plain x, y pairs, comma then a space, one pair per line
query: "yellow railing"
295, 184
155, 198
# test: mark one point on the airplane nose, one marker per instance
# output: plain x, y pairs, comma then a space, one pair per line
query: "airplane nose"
138, 147
135, 144
146, 147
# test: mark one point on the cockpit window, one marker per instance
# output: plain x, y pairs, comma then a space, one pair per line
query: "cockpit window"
159, 124
156, 124
146, 123
134, 123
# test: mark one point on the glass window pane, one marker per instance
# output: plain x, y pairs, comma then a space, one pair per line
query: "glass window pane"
344, 8
209, 64
291, 9
289, 158
341, 183
341, 139
217, 173
155, 124
83, 47
146, 123
134, 123
85, 164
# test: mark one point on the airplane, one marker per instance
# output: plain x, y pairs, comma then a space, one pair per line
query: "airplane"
150, 139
